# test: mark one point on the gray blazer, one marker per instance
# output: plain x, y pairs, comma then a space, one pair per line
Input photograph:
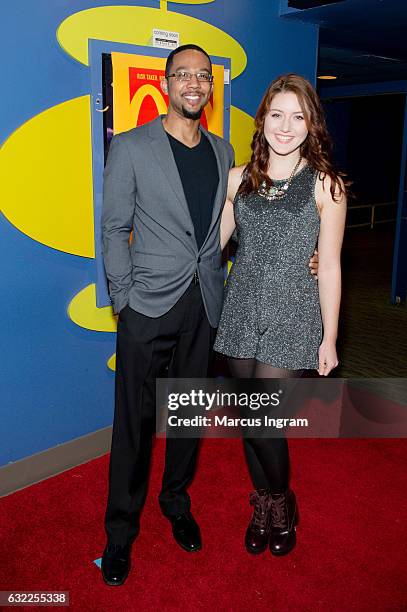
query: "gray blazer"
143, 193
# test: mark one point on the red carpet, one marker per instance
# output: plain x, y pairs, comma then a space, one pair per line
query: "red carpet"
351, 539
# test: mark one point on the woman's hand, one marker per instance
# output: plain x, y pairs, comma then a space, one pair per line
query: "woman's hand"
328, 359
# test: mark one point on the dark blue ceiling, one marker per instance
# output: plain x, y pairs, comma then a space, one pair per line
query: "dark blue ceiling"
360, 40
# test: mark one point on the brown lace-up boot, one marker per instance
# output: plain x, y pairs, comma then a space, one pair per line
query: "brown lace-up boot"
283, 511
258, 531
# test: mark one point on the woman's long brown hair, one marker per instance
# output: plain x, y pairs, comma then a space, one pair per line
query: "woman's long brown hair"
316, 149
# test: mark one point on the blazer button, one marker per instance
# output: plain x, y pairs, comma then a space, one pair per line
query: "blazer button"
199, 260
188, 233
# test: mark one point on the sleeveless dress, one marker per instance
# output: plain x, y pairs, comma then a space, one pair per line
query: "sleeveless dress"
271, 308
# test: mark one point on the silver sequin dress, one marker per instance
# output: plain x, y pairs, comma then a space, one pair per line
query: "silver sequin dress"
271, 308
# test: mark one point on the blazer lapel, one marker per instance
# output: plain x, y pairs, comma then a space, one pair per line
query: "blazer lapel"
163, 153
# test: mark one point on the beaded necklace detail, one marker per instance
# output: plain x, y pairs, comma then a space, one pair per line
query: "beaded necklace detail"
275, 192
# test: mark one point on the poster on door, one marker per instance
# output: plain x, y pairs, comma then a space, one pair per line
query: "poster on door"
138, 97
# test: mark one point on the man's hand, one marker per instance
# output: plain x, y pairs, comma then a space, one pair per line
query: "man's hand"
313, 265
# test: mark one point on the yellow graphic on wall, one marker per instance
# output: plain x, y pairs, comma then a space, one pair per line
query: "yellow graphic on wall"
52, 200
134, 25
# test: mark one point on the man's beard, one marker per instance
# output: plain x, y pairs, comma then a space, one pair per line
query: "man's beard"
192, 115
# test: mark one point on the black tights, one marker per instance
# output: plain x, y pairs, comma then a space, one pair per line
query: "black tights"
267, 458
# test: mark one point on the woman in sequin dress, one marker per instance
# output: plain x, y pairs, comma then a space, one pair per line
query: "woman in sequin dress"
276, 320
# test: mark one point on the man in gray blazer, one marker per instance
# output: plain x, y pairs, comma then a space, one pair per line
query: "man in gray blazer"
166, 183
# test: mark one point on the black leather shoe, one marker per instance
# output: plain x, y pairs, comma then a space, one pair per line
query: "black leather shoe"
283, 510
258, 531
116, 564
186, 532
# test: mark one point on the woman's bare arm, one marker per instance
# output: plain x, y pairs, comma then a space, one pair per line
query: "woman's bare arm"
227, 224
333, 215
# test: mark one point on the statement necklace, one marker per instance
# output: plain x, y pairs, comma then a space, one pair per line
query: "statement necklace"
274, 192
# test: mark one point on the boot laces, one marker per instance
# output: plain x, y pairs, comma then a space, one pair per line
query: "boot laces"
279, 516
261, 503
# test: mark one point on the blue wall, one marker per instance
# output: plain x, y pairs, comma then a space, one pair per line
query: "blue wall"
391, 154
55, 385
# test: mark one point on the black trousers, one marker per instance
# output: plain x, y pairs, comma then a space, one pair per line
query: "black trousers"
177, 344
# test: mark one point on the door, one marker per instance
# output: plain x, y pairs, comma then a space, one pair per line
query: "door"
399, 279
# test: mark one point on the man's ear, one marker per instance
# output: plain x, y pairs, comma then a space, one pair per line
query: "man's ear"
164, 85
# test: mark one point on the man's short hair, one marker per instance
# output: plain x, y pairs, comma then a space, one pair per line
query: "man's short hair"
174, 52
